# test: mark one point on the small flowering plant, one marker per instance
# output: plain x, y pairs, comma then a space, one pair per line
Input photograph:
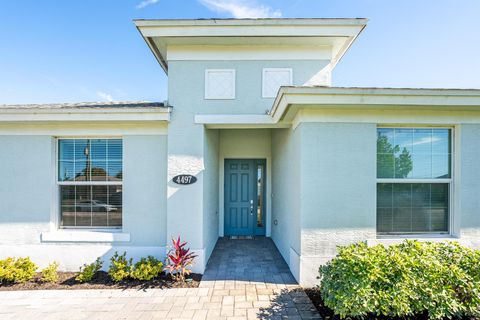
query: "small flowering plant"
179, 260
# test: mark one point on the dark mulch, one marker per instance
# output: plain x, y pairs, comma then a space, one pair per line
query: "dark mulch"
101, 280
327, 313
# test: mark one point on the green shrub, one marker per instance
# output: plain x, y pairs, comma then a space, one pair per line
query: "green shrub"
89, 270
120, 267
147, 269
441, 279
49, 273
17, 270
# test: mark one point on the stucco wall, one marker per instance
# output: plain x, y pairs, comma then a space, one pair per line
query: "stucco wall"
210, 195
28, 206
187, 84
26, 175
286, 164
186, 140
469, 191
338, 190
144, 190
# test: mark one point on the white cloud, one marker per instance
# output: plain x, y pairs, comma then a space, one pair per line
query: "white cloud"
241, 8
145, 3
105, 96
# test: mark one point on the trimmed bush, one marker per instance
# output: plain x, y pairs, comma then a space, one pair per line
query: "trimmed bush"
147, 269
89, 270
49, 273
120, 267
412, 278
17, 270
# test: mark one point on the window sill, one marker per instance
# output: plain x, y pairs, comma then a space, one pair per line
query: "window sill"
84, 236
395, 239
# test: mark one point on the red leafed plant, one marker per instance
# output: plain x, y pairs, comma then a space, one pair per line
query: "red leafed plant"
179, 260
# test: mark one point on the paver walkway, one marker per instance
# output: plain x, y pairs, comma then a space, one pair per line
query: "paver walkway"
244, 279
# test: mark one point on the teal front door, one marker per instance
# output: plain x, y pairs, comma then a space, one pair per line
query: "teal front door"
244, 197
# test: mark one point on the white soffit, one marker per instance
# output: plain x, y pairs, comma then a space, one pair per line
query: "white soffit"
336, 34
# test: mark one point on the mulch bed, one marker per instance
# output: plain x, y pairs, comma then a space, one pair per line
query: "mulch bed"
327, 313
102, 280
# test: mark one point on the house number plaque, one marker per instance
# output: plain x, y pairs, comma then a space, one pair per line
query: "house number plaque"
184, 179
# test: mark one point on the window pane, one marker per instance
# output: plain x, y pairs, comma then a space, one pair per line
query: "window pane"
441, 141
82, 170
403, 140
83, 206
82, 149
422, 141
384, 220
66, 171
99, 171
114, 172
96, 160
66, 150
115, 206
385, 141
114, 149
422, 166
67, 205
413, 153
98, 149
414, 207
441, 166
385, 165
100, 206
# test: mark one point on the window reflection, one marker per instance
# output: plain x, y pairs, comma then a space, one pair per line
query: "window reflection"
413, 153
80, 162
260, 195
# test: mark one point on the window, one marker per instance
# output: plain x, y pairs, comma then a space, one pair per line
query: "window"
90, 183
273, 79
219, 84
413, 180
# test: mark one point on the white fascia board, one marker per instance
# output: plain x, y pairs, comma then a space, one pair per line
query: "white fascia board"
252, 31
249, 22
248, 52
104, 115
245, 27
319, 97
214, 121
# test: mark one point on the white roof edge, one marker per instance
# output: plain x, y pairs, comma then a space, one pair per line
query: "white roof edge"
372, 96
249, 22
377, 90
83, 110
85, 114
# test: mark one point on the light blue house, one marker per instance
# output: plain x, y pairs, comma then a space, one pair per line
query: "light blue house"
252, 142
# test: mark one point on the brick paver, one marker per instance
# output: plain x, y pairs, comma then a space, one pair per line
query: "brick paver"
244, 279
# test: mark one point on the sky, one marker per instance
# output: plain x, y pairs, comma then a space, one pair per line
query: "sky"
89, 50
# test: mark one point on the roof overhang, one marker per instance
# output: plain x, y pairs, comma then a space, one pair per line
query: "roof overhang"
336, 34
290, 99
355, 101
8, 115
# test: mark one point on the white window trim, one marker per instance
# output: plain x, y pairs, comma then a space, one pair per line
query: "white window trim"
451, 187
207, 84
65, 232
265, 70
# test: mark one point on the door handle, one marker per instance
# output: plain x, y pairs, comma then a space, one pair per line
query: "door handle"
251, 207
